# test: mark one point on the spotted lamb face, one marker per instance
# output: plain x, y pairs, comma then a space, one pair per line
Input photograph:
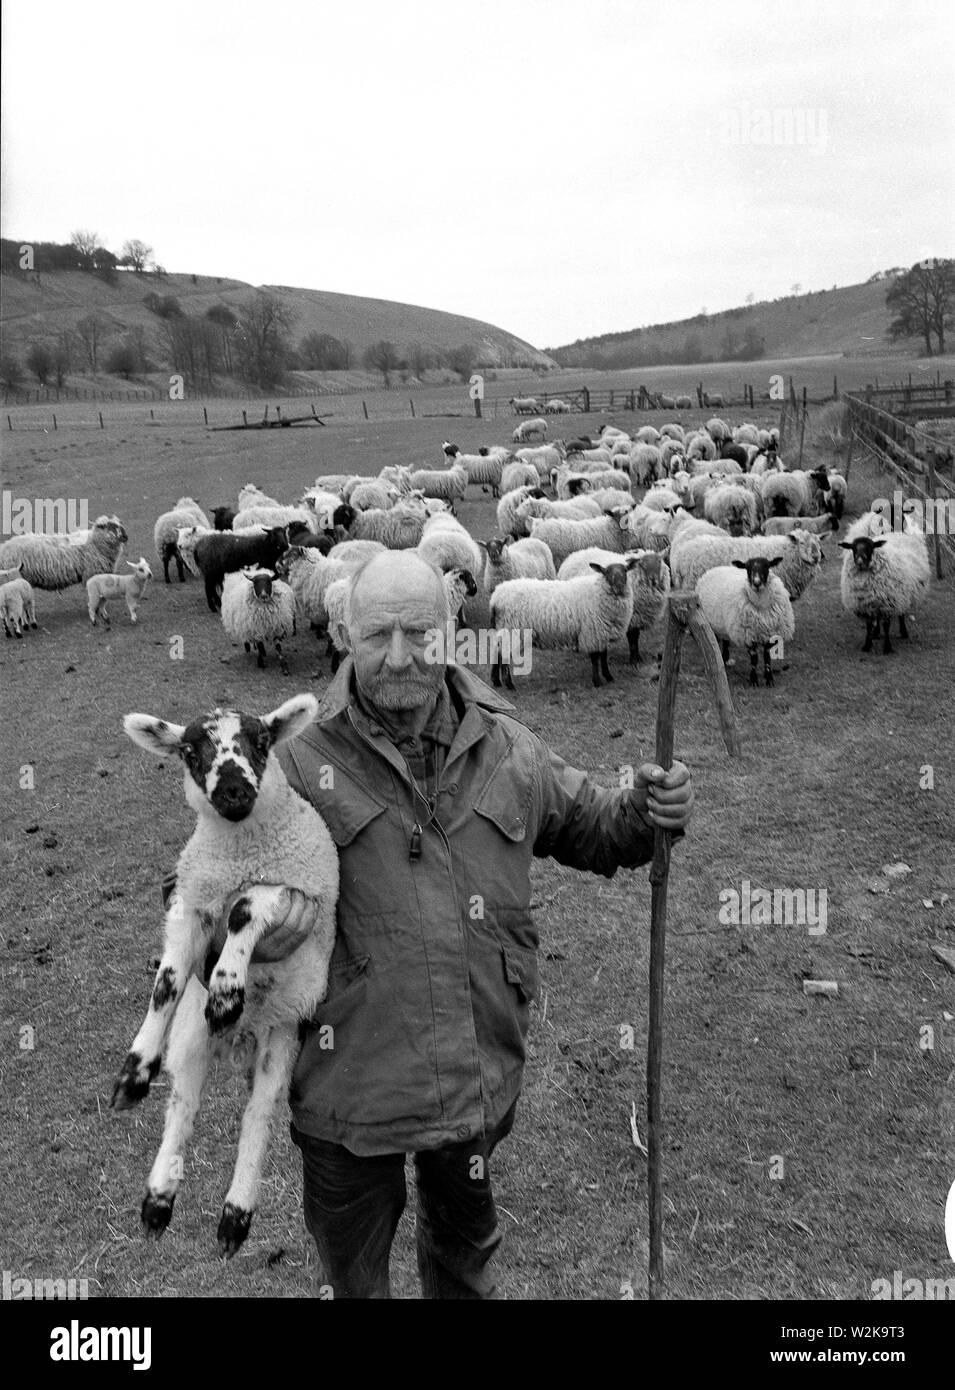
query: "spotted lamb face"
225, 753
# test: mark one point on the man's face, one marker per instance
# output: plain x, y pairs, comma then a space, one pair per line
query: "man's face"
397, 604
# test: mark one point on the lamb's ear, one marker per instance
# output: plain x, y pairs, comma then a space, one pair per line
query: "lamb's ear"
155, 735
291, 717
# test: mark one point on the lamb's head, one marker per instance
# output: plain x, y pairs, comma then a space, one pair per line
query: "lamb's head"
757, 569
809, 546
495, 548
863, 550
141, 567
225, 753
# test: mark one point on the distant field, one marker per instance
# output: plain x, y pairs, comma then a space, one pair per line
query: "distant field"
830, 787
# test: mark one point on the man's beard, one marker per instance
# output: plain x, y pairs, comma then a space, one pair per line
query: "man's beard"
401, 693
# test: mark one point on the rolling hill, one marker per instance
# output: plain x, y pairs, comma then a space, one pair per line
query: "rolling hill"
851, 319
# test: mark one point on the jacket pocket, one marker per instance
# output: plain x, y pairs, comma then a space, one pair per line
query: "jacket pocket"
520, 969
506, 797
347, 983
345, 804
503, 981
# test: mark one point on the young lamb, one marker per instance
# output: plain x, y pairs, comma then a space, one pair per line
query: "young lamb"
127, 586
224, 552
649, 586
447, 545
17, 604
800, 553
816, 525
258, 608
883, 577
731, 507
166, 533
56, 562
528, 428
564, 535
506, 559
544, 457
584, 614
744, 603
254, 841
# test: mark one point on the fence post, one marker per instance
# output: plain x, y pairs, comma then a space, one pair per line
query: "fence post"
365, 409
9, 423
586, 400
411, 403
101, 425
930, 460
205, 415
54, 419
245, 419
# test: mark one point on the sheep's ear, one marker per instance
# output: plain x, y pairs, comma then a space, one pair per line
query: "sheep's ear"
131, 563
291, 717
845, 545
599, 568
738, 564
776, 561
483, 545
877, 544
155, 735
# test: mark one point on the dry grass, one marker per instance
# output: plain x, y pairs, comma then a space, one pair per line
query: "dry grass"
828, 790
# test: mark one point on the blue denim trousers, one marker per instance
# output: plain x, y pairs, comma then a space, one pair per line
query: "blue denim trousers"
353, 1204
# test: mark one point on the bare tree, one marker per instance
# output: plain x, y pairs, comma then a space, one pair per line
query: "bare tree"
262, 339
63, 351
39, 360
226, 321
91, 331
136, 253
462, 359
382, 357
923, 300
86, 245
796, 288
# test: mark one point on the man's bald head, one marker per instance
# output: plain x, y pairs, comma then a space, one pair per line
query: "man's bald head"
396, 604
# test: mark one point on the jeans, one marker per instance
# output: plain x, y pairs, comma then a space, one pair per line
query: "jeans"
353, 1204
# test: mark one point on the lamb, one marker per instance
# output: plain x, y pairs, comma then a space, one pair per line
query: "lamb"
558, 407
187, 538
744, 603
544, 457
258, 608
51, 562
398, 528
506, 559
450, 484
645, 528
801, 556
166, 533
224, 552
519, 474
447, 545
17, 604
127, 586
564, 535
883, 577
527, 428
255, 839
524, 405
459, 585
586, 614
649, 586
509, 523
731, 507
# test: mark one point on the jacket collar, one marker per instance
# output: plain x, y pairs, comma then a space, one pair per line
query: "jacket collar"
470, 690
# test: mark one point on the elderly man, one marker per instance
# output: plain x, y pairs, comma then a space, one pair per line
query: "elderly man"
438, 799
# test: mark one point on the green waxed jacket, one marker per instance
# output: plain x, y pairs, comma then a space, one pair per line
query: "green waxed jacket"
435, 966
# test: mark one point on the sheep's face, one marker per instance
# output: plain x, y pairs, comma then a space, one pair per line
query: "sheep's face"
225, 753
615, 576
863, 550
757, 570
495, 548
261, 581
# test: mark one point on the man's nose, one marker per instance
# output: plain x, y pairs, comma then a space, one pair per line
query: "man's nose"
399, 650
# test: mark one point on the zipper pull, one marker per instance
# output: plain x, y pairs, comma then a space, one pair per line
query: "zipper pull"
414, 850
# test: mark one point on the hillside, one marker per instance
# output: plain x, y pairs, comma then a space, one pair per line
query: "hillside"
851, 319
39, 307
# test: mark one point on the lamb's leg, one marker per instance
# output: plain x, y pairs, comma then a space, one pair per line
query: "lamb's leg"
133, 610
275, 1054
903, 630
185, 943
767, 664
187, 1062
753, 666
166, 557
212, 598
886, 642
248, 920
605, 665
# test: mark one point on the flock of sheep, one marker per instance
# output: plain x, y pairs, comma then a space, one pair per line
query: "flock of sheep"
592, 533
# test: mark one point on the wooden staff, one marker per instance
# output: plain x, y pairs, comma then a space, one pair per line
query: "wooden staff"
683, 614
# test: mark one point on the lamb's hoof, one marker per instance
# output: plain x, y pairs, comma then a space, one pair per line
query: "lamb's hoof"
233, 1228
133, 1083
156, 1213
223, 1008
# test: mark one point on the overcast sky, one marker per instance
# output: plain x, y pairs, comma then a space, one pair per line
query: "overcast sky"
559, 169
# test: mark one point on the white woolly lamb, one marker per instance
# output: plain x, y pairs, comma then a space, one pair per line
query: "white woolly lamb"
17, 605
564, 535
506, 559
744, 603
649, 584
255, 839
52, 562
126, 586
258, 608
584, 614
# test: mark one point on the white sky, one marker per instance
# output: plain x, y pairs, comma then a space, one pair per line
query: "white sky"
559, 169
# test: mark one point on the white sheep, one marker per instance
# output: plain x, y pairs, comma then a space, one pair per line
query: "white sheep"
447, 545
250, 518
258, 608
883, 577
564, 535
558, 407
449, 484
785, 525
186, 513
731, 507
531, 508
482, 469
683, 403
374, 493
17, 604
746, 604
255, 839
506, 558
524, 405
528, 428
252, 496
508, 521
398, 528
649, 585
544, 457
53, 562
126, 586
713, 398
649, 434
746, 434
187, 538
568, 481
700, 446
800, 553
647, 462
794, 493
519, 474
459, 585
584, 614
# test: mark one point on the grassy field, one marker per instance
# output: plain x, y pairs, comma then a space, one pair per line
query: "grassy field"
810, 1140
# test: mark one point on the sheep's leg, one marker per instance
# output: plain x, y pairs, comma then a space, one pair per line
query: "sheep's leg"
248, 920
167, 553
248, 646
753, 660
595, 668
133, 610
767, 664
275, 1054
183, 949
867, 644
725, 649
180, 567
260, 659
605, 666
187, 1062
903, 630
336, 662
886, 641
212, 597
283, 664
633, 642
